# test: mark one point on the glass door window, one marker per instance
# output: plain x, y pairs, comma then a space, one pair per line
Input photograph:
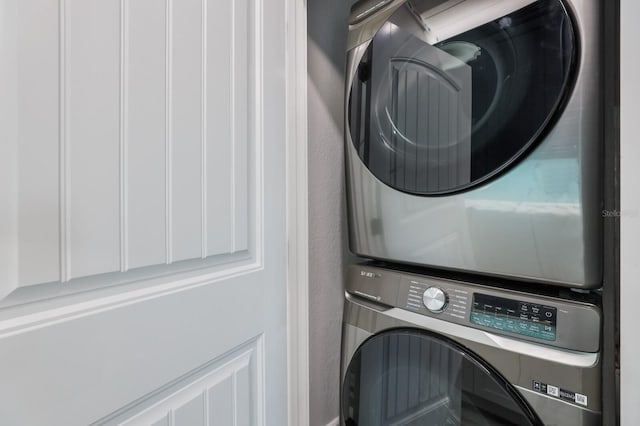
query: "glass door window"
447, 97
410, 378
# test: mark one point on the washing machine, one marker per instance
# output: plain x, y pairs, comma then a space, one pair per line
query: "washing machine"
473, 136
421, 350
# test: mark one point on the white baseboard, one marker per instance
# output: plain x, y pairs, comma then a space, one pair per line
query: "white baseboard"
334, 422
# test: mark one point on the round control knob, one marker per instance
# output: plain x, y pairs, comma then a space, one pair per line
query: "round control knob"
434, 299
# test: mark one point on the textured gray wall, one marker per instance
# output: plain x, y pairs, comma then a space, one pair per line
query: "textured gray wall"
327, 32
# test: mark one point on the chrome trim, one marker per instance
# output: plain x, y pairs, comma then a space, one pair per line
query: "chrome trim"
370, 7
566, 357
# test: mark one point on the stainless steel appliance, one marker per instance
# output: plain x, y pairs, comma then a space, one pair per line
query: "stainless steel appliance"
474, 136
419, 350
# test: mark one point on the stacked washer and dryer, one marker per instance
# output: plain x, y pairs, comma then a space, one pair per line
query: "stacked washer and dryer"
473, 147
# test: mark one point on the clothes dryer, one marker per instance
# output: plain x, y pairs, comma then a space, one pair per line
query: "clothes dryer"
474, 137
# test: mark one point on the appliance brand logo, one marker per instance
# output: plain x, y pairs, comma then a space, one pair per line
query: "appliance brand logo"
369, 274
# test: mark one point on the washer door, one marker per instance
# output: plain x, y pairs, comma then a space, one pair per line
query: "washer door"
449, 94
411, 377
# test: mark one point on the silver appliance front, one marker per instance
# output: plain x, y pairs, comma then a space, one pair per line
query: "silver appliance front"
441, 180
403, 364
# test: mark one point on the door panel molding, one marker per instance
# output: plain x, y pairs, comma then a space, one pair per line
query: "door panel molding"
26, 318
122, 353
227, 390
120, 128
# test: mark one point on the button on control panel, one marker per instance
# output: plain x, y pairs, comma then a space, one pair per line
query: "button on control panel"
434, 299
443, 299
514, 316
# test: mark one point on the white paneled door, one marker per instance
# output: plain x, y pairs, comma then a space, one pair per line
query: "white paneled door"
142, 212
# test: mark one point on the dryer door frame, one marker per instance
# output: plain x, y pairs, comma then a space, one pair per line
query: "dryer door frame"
503, 80
389, 358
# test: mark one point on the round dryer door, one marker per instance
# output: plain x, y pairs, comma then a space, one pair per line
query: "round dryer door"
448, 94
410, 377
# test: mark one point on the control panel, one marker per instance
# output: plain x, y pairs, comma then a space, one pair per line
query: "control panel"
552, 321
514, 316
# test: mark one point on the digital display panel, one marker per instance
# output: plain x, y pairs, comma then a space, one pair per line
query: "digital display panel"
513, 316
